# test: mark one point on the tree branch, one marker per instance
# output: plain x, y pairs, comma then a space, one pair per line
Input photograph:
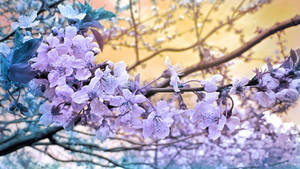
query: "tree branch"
136, 47
184, 48
71, 160
21, 141
239, 51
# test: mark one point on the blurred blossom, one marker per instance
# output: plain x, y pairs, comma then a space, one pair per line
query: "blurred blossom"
26, 21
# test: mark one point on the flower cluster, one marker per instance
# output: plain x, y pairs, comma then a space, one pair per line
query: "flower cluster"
277, 86
259, 142
70, 79
100, 95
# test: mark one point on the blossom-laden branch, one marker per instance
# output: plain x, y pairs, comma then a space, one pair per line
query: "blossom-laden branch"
239, 51
104, 98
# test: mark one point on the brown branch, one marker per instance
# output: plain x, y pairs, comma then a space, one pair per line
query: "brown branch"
184, 48
195, 18
135, 32
239, 51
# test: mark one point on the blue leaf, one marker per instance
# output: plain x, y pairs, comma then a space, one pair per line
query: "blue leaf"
25, 51
4, 67
103, 14
4, 50
94, 24
21, 72
96, 14
18, 39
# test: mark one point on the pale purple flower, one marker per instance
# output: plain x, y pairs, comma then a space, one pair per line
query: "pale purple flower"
69, 12
209, 115
58, 76
128, 104
45, 58
174, 78
287, 95
65, 92
295, 84
26, 21
131, 119
158, 123
90, 91
103, 132
214, 131
211, 84
270, 82
98, 110
109, 82
70, 32
121, 73
49, 116
82, 74
211, 97
45, 110
265, 99
232, 122
239, 86
128, 98
280, 72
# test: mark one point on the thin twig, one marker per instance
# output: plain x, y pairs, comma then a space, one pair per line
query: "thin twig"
135, 32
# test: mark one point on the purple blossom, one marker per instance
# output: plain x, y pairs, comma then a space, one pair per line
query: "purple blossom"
103, 132
58, 76
51, 114
295, 84
239, 86
64, 92
211, 84
121, 73
129, 108
287, 95
208, 115
265, 99
280, 73
232, 123
90, 91
98, 110
174, 78
269, 82
158, 123
82, 74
